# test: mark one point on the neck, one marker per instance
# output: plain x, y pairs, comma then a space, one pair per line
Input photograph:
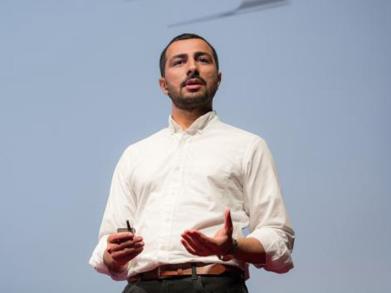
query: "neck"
185, 118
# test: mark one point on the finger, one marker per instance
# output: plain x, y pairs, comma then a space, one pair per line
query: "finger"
194, 248
189, 248
126, 245
190, 241
126, 252
120, 237
203, 240
138, 238
125, 255
209, 244
121, 245
200, 246
213, 245
202, 237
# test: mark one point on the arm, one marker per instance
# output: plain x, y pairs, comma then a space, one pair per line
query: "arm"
268, 219
120, 207
246, 249
270, 243
250, 250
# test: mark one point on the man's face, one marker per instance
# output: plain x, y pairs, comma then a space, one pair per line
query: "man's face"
191, 77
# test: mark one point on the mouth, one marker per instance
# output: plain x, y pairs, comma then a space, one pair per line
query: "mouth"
193, 84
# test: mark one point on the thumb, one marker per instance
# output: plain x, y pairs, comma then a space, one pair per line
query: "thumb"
228, 222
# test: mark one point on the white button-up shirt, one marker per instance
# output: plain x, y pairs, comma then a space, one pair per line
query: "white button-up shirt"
184, 179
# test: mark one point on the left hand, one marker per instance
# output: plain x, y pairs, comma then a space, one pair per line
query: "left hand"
199, 244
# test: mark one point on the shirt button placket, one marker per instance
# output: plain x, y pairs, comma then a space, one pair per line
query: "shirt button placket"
170, 195
176, 186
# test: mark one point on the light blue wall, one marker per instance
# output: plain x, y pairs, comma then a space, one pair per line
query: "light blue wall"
78, 83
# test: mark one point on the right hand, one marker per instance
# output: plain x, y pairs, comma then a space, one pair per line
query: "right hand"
121, 248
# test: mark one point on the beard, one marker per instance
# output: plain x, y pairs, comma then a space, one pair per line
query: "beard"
192, 100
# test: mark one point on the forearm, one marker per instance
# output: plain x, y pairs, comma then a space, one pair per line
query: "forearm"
250, 250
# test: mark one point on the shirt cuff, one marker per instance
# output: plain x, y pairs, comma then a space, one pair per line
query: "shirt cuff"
278, 254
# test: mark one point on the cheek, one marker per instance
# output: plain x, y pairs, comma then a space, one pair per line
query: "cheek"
210, 74
173, 88
173, 79
172, 84
212, 79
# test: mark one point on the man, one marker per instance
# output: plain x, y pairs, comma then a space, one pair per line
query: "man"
190, 189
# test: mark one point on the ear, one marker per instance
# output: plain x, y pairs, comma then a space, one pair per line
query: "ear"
163, 85
219, 75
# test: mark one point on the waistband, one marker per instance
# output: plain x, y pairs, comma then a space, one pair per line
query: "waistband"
187, 269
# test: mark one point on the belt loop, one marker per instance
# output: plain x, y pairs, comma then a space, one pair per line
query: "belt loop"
194, 271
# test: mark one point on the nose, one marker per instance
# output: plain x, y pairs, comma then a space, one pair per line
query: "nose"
192, 68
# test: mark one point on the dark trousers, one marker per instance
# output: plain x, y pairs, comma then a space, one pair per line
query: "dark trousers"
226, 283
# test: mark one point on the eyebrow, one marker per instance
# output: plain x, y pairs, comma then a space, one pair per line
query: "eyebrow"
196, 54
178, 56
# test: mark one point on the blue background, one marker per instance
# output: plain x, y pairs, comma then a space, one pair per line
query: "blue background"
79, 82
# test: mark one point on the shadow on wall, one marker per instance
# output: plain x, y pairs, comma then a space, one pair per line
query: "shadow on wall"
245, 6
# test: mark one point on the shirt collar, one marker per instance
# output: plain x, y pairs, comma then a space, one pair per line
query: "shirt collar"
197, 126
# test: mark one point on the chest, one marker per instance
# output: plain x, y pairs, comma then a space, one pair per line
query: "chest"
187, 161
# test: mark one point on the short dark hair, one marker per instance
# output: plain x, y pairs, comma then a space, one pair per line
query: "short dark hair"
185, 36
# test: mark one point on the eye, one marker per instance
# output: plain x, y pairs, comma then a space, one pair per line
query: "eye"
204, 59
178, 62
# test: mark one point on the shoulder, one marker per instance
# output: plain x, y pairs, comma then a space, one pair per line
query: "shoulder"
134, 149
249, 146
240, 135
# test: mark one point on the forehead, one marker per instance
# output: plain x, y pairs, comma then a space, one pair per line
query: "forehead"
188, 47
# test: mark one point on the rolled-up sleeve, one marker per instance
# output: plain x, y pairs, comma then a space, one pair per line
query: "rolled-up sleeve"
268, 219
119, 208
